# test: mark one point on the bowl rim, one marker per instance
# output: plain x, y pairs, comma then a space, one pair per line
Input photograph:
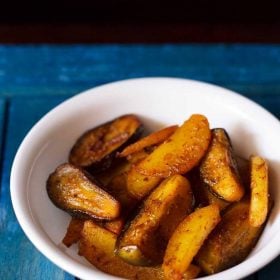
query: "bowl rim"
42, 242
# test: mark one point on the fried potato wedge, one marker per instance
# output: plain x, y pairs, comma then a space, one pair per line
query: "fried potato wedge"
139, 185
97, 246
218, 170
154, 138
137, 157
76, 192
191, 273
73, 233
181, 152
95, 149
231, 241
187, 239
259, 191
145, 239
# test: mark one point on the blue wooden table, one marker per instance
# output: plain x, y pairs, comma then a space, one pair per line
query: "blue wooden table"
34, 79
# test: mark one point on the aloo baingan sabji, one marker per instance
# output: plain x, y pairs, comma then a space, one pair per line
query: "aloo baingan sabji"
175, 204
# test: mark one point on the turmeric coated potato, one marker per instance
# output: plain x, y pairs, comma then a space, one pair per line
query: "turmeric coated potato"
97, 246
181, 152
139, 185
145, 239
259, 191
187, 239
154, 138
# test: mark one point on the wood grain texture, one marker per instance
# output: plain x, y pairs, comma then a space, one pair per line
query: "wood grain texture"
33, 79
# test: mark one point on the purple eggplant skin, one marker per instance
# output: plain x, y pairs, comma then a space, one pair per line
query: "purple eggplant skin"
78, 193
232, 240
219, 169
96, 149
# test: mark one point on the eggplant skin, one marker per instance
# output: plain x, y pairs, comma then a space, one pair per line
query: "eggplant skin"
202, 193
79, 194
231, 241
218, 169
96, 149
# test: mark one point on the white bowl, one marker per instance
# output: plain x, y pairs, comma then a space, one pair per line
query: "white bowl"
157, 101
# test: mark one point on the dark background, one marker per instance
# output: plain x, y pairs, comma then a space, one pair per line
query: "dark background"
139, 21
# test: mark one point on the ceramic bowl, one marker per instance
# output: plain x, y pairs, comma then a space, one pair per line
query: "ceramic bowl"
158, 102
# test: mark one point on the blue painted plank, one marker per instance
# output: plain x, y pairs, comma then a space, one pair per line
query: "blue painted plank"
18, 257
37, 70
2, 118
269, 102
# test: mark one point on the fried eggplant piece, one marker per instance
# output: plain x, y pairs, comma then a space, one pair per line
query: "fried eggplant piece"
118, 188
76, 192
244, 171
187, 239
203, 196
73, 233
106, 176
116, 226
97, 246
259, 191
231, 241
96, 149
181, 152
213, 199
145, 239
152, 139
218, 170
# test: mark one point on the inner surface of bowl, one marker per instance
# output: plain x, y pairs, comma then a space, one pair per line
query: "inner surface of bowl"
158, 103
